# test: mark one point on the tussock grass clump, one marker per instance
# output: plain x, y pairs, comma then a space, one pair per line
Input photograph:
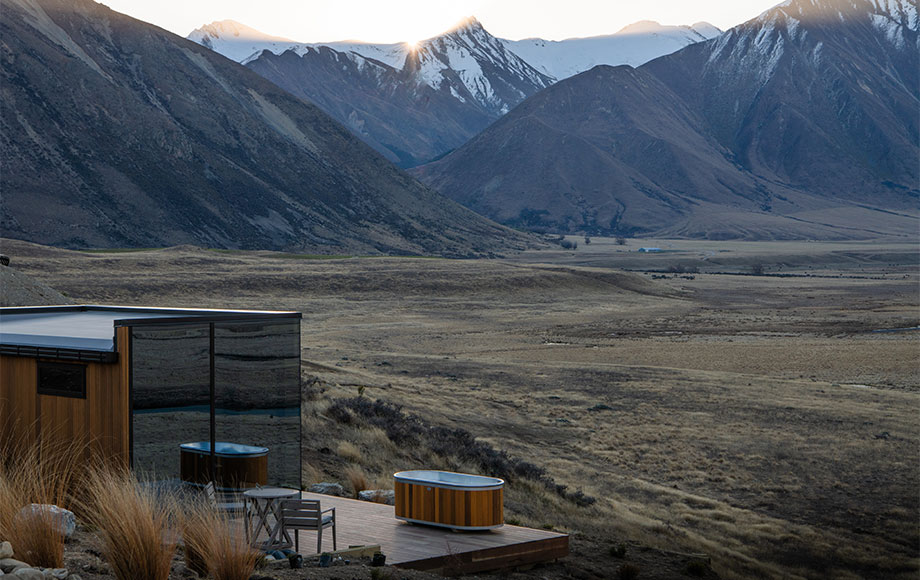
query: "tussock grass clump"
215, 545
348, 450
135, 524
357, 479
42, 473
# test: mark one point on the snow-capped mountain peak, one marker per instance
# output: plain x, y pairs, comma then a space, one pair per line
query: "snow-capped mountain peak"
486, 69
237, 41
634, 45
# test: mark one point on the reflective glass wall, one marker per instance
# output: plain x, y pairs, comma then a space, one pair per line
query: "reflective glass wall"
255, 406
257, 395
170, 396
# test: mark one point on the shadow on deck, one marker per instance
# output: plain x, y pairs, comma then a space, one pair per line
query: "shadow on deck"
422, 547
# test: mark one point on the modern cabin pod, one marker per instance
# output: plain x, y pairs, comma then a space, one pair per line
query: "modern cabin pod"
136, 384
452, 500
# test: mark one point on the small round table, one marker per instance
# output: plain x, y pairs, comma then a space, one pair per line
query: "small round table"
262, 503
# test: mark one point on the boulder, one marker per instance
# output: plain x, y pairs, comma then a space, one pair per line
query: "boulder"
28, 574
9, 565
66, 520
386, 496
6, 550
327, 488
57, 573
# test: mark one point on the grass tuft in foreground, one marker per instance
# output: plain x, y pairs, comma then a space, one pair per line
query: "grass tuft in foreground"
135, 525
36, 475
213, 544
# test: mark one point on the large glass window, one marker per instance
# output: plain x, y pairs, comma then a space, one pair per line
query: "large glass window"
257, 396
170, 396
256, 403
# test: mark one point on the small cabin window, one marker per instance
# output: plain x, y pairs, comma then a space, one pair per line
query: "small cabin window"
62, 379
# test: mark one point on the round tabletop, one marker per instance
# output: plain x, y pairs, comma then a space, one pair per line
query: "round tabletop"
270, 492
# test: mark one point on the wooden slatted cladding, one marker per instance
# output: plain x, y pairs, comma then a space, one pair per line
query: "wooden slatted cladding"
449, 507
101, 419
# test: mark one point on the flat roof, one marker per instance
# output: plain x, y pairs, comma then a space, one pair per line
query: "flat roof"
90, 329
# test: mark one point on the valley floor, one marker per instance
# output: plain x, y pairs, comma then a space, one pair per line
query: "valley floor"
769, 421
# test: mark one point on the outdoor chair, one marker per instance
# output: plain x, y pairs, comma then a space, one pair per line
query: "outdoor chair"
305, 514
224, 501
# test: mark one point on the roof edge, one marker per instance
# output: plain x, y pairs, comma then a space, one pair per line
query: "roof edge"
183, 315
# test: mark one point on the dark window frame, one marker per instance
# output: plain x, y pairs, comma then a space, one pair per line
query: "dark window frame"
79, 393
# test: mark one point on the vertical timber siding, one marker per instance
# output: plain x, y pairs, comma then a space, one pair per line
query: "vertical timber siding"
18, 401
449, 507
101, 419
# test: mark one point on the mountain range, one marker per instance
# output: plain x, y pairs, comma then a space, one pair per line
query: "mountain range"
800, 123
416, 103
116, 133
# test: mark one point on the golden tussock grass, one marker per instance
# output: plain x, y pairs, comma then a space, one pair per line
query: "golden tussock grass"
357, 479
214, 544
44, 473
348, 450
310, 474
135, 524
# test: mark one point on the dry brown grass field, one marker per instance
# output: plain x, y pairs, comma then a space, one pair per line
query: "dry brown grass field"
769, 421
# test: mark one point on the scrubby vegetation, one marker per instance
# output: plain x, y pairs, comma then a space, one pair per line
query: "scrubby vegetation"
456, 445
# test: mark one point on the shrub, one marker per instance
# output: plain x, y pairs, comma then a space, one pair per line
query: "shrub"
138, 542
412, 431
618, 551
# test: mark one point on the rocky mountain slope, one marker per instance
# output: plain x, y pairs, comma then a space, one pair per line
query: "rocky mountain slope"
416, 103
410, 103
116, 133
818, 94
800, 123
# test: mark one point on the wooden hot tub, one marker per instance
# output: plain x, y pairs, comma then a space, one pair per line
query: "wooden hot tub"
237, 466
451, 500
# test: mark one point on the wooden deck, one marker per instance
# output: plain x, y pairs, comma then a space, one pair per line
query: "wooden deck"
431, 548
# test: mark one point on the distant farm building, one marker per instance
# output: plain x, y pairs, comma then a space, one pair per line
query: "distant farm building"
649, 250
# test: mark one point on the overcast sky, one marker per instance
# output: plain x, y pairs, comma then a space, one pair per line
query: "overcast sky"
409, 20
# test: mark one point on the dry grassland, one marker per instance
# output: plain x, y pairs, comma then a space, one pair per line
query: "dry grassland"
761, 420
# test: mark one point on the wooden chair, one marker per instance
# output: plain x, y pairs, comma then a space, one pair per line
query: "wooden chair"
305, 514
223, 501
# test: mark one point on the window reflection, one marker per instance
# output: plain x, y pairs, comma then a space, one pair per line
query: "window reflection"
256, 400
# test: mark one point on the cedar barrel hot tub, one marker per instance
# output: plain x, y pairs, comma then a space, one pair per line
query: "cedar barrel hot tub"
452, 500
237, 466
